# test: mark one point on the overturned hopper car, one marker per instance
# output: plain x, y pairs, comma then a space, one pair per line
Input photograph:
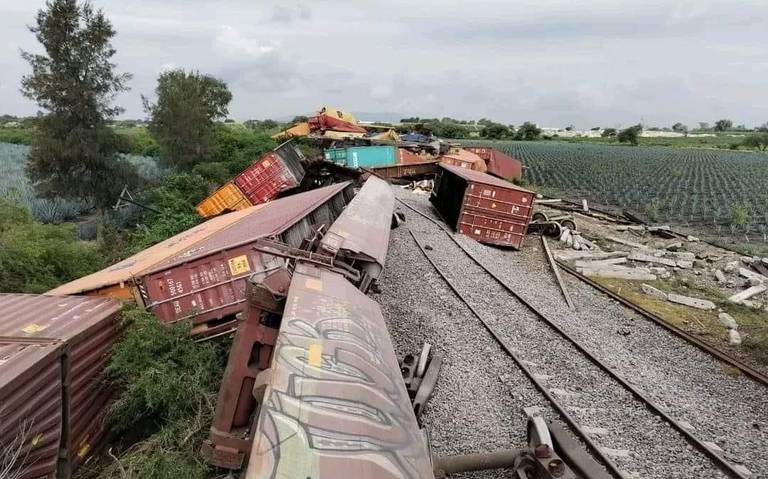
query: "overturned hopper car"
355, 247
483, 207
334, 380
200, 274
53, 352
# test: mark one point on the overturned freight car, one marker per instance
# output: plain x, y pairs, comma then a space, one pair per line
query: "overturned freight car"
200, 274
355, 248
483, 207
53, 352
274, 173
499, 164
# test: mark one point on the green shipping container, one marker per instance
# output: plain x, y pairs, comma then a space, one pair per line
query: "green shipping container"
362, 156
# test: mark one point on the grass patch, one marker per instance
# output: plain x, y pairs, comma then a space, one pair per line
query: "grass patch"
753, 324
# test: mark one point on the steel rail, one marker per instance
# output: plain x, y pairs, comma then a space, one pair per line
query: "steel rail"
703, 345
724, 465
614, 468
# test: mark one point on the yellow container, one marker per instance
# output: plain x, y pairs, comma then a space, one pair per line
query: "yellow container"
227, 198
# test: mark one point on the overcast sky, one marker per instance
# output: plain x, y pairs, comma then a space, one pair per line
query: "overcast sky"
587, 63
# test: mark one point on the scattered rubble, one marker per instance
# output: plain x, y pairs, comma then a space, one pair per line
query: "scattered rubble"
654, 292
739, 298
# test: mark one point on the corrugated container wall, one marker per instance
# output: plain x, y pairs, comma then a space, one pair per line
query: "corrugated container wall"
54, 351
499, 164
483, 207
227, 198
363, 156
206, 282
274, 173
464, 159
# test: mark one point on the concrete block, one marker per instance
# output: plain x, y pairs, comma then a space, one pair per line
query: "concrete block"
591, 255
720, 276
740, 297
599, 263
682, 264
653, 292
693, 239
681, 255
675, 246
619, 274
728, 321
752, 276
646, 258
565, 235
658, 270
692, 302
734, 337
742, 469
631, 244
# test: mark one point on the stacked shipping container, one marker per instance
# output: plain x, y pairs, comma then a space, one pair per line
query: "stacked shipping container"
464, 159
277, 171
482, 207
53, 351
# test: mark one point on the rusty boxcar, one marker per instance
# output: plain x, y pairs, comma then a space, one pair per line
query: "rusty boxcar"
499, 164
200, 273
53, 351
206, 281
483, 207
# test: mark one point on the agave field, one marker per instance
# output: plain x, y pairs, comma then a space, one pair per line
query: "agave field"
718, 192
15, 185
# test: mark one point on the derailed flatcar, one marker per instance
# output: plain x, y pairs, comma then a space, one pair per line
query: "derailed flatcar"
334, 380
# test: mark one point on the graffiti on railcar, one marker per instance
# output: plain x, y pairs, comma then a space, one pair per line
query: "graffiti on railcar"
336, 405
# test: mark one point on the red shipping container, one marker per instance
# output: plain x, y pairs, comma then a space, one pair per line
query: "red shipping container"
274, 173
54, 352
483, 207
206, 282
499, 164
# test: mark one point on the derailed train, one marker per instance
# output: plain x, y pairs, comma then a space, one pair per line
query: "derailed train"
313, 388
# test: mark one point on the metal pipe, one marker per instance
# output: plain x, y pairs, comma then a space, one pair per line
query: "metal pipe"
504, 458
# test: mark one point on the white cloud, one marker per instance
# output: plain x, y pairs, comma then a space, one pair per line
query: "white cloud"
233, 42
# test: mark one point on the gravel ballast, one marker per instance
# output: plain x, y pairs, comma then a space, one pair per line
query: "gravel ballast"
689, 384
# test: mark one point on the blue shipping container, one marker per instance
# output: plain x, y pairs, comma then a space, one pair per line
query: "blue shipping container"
363, 156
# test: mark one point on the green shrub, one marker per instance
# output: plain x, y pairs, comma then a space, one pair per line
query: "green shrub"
173, 202
168, 384
36, 257
217, 173
18, 136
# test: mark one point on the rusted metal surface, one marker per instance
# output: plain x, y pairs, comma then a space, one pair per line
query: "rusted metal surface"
231, 432
272, 174
334, 380
206, 282
410, 170
483, 207
54, 350
361, 232
499, 164
407, 157
462, 158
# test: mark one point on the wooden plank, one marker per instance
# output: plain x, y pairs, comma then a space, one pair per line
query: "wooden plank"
556, 270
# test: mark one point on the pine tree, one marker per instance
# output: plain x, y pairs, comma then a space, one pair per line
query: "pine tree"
74, 151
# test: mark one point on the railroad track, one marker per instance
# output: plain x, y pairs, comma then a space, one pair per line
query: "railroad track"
624, 428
